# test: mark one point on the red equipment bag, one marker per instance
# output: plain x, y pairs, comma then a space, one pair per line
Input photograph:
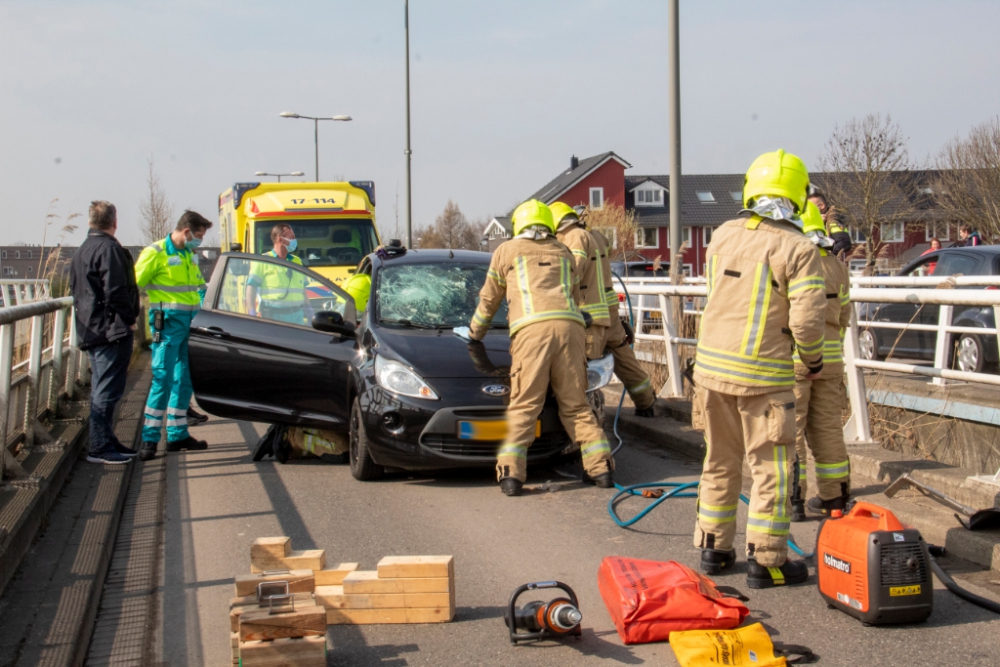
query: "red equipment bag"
648, 599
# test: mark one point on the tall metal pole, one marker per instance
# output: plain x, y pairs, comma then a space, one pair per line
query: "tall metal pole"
674, 93
316, 141
409, 153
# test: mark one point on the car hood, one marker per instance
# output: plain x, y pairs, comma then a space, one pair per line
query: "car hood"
442, 354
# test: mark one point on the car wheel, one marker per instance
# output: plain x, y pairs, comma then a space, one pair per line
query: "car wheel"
868, 345
362, 465
970, 356
596, 401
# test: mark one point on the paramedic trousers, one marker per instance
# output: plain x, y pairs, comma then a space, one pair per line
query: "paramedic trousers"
170, 394
544, 354
818, 422
761, 429
627, 368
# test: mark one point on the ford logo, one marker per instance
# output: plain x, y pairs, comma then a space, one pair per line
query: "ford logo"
496, 389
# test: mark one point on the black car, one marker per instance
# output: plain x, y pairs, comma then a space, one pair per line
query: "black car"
407, 391
972, 352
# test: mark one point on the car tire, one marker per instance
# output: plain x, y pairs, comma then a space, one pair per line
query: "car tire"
970, 356
868, 345
363, 468
596, 401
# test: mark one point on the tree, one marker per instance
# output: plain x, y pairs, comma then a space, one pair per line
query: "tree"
156, 211
617, 225
866, 163
450, 230
968, 183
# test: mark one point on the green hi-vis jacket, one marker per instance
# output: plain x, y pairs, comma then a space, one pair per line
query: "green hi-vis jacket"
838, 313
170, 276
587, 260
279, 287
538, 280
765, 295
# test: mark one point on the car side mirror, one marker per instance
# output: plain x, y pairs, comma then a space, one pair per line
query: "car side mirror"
329, 321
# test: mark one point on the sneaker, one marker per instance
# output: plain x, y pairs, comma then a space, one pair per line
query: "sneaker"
194, 417
798, 511
645, 412
511, 486
187, 443
714, 561
605, 480
108, 458
817, 505
791, 573
147, 451
127, 452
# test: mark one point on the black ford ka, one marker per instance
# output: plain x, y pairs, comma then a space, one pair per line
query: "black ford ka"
407, 391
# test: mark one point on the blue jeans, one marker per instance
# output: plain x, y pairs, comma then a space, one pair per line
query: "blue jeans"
109, 364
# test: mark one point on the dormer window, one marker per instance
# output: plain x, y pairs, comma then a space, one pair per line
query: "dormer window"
705, 197
649, 197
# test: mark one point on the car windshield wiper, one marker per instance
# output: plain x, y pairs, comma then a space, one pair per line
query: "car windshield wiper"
412, 325
499, 326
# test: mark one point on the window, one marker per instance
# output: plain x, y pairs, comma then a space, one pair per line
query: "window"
649, 197
737, 196
952, 264
925, 268
431, 295
647, 237
705, 197
596, 198
686, 236
707, 234
687, 270
937, 230
30, 255
892, 232
857, 267
31, 268
858, 236
8, 271
325, 242
610, 234
3, 255
17, 254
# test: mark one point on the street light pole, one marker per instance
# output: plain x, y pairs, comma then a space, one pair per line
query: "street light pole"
315, 120
316, 144
266, 173
409, 153
674, 92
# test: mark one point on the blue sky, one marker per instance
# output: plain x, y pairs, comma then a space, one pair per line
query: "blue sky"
503, 92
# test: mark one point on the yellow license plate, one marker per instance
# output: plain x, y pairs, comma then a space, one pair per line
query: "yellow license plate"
898, 591
488, 429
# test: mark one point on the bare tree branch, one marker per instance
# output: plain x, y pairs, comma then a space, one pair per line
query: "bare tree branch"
156, 211
450, 230
617, 225
968, 183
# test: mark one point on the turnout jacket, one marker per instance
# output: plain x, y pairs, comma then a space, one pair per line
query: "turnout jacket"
105, 296
587, 261
610, 294
765, 295
837, 313
538, 280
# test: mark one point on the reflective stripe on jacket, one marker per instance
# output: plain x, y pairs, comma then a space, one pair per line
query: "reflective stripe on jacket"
538, 280
278, 286
587, 260
765, 294
170, 276
604, 246
837, 290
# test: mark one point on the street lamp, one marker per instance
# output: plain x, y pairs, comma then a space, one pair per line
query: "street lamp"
315, 120
293, 173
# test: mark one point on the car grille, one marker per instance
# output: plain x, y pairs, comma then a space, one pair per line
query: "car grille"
544, 446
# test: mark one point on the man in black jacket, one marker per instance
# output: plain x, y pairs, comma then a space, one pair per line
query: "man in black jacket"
106, 299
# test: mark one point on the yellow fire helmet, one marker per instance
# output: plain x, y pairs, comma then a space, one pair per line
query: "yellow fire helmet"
777, 174
560, 210
532, 212
812, 219
359, 287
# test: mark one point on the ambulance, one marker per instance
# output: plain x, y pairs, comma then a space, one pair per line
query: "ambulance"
333, 222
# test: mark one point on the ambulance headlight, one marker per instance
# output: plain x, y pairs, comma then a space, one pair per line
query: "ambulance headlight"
599, 372
399, 379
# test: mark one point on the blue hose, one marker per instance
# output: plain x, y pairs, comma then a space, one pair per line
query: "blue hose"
677, 489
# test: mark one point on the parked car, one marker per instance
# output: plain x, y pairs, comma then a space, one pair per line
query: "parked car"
972, 352
639, 269
407, 392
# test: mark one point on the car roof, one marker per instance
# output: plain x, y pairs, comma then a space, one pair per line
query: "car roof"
984, 251
434, 256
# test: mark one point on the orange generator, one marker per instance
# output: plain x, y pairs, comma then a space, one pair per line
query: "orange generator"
871, 566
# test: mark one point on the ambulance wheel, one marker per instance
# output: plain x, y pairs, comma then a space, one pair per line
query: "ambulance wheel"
362, 466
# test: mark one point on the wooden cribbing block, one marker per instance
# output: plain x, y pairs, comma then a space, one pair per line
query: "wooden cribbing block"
299, 581
300, 622
376, 616
366, 581
299, 652
234, 640
311, 559
270, 547
239, 605
333, 597
334, 576
416, 567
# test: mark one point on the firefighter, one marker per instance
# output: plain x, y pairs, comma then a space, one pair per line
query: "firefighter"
534, 272
765, 295
819, 402
587, 262
833, 220
282, 293
168, 271
620, 337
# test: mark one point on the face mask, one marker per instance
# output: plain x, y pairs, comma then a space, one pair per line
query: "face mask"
193, 243
292, 245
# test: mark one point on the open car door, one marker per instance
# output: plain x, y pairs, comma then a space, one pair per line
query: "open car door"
254, 353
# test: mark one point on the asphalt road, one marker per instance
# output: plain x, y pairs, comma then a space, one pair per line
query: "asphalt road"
218, 502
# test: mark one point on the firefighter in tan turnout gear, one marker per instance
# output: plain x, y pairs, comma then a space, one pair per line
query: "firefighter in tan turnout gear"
765, 295
819, 402
587, 264
534, 272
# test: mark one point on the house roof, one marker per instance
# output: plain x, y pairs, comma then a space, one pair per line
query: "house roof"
694, 212
550, 191
503, 221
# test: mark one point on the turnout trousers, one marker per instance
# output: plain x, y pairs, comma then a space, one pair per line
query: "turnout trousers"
761, 429
627, 367
171, 391
819, 423
551, 353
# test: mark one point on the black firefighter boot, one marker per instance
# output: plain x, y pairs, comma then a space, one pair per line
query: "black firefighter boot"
790, 573
798, 506
817, 505
714, 561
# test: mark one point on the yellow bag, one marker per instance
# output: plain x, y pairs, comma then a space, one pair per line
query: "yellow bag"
749, 646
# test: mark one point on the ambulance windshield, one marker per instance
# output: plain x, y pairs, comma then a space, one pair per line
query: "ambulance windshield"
324, 242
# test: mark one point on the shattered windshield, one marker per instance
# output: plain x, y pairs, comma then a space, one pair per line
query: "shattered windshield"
432, 296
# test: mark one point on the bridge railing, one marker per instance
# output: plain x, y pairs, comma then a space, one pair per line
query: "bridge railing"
14, 292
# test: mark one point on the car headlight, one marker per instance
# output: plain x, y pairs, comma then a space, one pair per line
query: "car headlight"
399, 379
599, 372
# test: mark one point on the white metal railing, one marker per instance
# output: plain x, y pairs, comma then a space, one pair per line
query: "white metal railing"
17, 292
858, 427
33, 386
